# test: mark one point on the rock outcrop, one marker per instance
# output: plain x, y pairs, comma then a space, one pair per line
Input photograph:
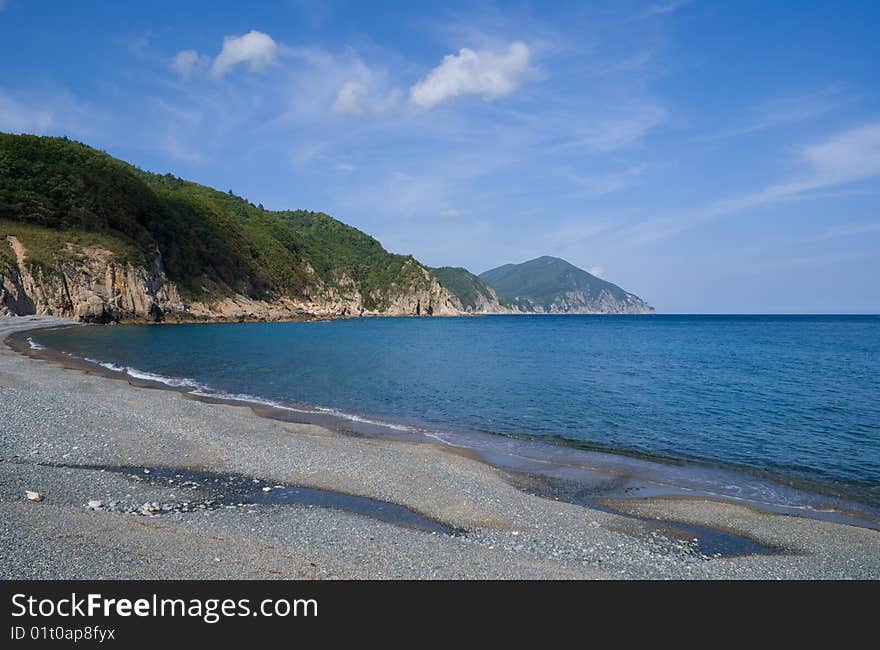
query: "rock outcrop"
91, 285
581, 302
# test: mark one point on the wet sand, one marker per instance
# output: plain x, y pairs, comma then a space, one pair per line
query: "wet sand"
335, 505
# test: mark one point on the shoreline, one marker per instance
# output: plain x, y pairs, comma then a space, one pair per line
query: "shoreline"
512, 531
566, 467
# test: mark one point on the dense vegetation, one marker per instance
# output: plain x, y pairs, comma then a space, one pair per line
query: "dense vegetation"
466, 286
543, 279
53, 190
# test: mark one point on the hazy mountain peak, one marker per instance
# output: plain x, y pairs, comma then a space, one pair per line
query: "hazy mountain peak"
550, 284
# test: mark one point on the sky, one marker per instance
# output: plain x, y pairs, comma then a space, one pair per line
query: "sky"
709, 156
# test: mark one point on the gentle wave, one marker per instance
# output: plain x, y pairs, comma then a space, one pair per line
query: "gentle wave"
201, 390
143, 375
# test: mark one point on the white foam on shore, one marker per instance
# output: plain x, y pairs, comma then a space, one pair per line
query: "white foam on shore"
107, 365
357, 418
162, 379
200, 390
143, 375
249, 399
317, 410
33, 345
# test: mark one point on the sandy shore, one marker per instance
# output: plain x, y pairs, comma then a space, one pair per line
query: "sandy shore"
66, 434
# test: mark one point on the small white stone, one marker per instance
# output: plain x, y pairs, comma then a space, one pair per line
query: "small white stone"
95, 504
33, 496
267, 489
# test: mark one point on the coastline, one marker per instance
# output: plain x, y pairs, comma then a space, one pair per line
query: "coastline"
569, 470
61, 426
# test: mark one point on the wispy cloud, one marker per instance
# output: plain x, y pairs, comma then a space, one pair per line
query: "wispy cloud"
662, 8
485, 73
781, 112
138, 45
362, 98
846, 157
48, 113
606, 128
850, 230
605, 183
186, 62
17, 117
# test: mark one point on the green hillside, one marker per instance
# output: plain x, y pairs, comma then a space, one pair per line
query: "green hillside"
466, 286
212, 243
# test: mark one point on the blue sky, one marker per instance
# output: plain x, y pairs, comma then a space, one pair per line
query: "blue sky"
709, 156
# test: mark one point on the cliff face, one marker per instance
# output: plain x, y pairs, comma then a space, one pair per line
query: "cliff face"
581, 302
473, 295
92, 286
488, 304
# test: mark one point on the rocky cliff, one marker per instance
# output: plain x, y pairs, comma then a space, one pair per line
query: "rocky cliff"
474, 295
89, 285
583, 302
93, 286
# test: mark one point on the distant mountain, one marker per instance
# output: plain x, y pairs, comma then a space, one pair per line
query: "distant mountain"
552, 285
474, 295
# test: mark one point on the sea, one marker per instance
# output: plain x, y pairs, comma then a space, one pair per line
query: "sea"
782, 412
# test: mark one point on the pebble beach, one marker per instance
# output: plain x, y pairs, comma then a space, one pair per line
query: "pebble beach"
100, 479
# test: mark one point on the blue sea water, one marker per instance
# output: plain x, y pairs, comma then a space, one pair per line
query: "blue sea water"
796, 396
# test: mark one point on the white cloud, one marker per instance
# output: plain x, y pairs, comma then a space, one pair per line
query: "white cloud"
255, 48
849, 156
357, 98
186, 62
350, 98
484, 73
450, 214
597, 271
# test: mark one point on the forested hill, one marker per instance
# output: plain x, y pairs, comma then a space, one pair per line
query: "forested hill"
84, 234
474, 295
